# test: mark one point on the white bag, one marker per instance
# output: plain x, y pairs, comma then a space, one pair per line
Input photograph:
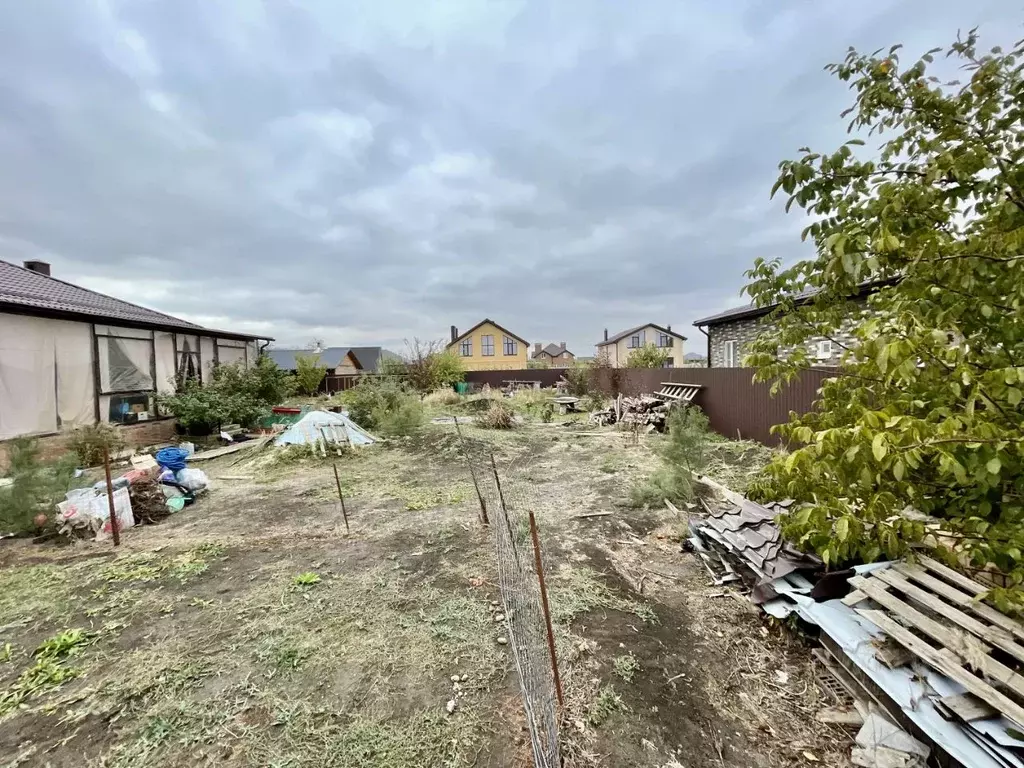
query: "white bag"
193, 479
94, 513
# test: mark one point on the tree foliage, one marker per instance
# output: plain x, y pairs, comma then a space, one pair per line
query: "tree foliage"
927, 415
309, 372
429, 366
648, 356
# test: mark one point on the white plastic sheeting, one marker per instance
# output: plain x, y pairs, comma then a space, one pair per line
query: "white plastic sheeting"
164, 343
76, 405
230, 352
28, 376
206, 354
310, 429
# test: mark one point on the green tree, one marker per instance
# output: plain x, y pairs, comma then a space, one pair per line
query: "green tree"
647, 356
309, 373
429, 366
926, 415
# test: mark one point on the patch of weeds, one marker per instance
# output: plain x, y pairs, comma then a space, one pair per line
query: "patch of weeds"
38, 591
578, 590
418, 498
6, 653
606, 704
49, 670
290, 657
142, 567
608, 466
626, 666
306, 580
195, 561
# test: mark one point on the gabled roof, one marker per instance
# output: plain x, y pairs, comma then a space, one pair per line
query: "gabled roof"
554, 350
367, 358
631, 331
24, 291
486, 320
749, 310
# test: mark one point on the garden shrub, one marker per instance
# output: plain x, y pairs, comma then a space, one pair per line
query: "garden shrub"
89, 443
37, 487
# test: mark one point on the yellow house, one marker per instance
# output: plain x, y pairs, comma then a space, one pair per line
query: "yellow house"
617, 349
489, 347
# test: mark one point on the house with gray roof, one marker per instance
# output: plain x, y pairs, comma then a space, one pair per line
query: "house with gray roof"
730, 333
617, 348
70, 356
337, 360
554, 355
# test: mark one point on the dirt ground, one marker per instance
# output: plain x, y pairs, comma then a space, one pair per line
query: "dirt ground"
251, 630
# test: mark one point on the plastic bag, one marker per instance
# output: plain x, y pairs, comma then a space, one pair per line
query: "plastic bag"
94, 513
193, 479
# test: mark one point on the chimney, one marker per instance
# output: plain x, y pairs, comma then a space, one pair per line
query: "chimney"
536, 348
455, 333
35, 265
606, 334
668, 327
563, 345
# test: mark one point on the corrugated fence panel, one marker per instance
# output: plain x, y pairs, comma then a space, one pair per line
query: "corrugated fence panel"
736, 406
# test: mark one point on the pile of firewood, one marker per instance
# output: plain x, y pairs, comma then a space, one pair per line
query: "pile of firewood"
645, 410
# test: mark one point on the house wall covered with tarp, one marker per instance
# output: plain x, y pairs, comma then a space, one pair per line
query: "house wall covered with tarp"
61, 374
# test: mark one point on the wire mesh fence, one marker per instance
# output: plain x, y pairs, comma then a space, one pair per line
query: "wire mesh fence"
518, 580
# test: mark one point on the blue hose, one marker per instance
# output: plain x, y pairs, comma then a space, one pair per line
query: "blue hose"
172, 458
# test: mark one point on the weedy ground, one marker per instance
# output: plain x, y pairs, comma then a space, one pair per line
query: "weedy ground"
252, 630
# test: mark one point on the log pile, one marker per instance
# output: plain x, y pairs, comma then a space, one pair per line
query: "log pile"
642, 411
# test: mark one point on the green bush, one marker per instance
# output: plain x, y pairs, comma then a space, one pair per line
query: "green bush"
683, 453
309, 373
579, 378
406, 418
235, 394
90, 443
37, 486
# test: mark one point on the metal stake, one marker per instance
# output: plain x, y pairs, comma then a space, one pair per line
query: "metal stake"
114, 529
472, 473
544, 605
341, 498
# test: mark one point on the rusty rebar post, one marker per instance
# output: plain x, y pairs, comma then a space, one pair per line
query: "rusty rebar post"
472, 473
337, 481
547, 610
114, 528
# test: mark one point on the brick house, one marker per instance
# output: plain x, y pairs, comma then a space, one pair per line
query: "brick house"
555, 355
730, 333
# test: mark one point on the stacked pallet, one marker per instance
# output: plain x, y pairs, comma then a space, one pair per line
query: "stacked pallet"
935, 614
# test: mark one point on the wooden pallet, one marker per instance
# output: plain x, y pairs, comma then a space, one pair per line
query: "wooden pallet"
934, 613
680, 393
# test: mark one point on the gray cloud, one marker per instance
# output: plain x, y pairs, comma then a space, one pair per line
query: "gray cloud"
366, 175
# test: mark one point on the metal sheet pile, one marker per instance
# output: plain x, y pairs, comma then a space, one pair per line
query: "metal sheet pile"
912, 643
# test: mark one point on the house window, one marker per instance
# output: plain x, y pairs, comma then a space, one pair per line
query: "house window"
487, 345
729, 354
510, 346
669, 363
664, 340
466, 348
634, 341
824, 349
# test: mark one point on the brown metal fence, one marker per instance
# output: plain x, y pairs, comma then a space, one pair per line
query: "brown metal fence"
735, 405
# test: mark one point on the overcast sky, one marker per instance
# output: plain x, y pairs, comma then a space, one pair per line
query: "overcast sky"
366, 172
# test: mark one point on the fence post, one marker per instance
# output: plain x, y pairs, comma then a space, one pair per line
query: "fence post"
547, 611
341, 498
114, 527
472, 473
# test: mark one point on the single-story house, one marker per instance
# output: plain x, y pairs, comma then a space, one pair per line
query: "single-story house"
555, 355
489, 347
71, 357
617, 349
730, 333
339, 361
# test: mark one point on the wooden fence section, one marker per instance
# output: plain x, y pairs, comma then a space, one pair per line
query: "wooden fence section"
734, 404
335, 383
